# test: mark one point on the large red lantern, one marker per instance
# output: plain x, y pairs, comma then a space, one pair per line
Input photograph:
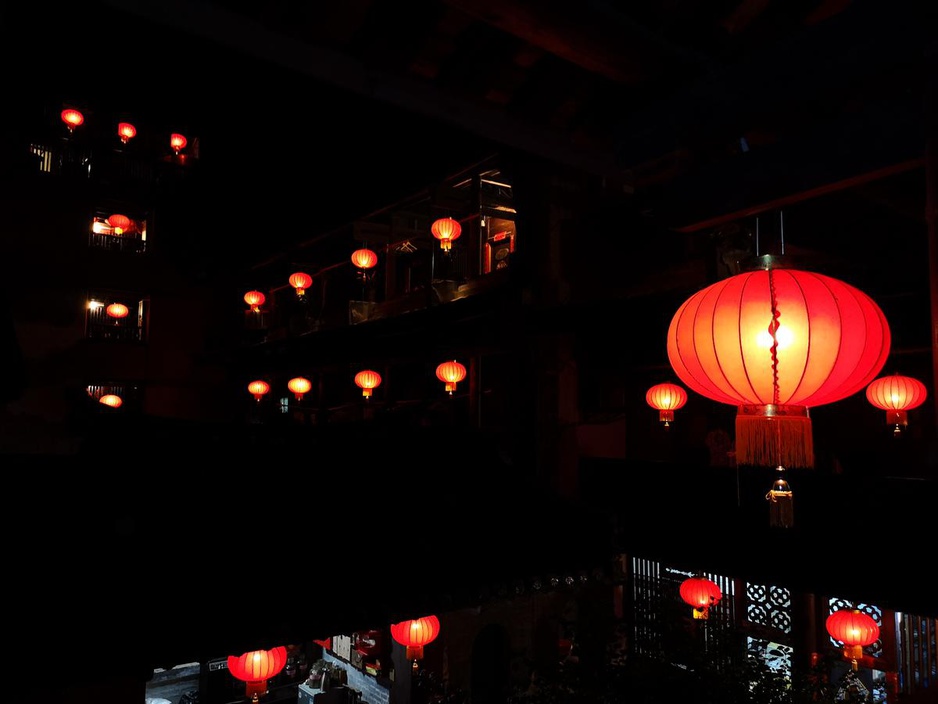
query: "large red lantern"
177, 142
413, 634
299, 386
256, 667
258, 388
112, 400
255, 299
300, 281
896, 394
364, 258
117, 310
700, 593
774, 342
120, 223
367, 380
126, 131
667, 398
72, 118
446, 230
854, 629
451, 373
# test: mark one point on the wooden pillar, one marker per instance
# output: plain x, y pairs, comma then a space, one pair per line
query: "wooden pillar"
931, 206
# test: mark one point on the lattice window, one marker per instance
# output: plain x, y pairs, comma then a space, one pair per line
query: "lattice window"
769, 606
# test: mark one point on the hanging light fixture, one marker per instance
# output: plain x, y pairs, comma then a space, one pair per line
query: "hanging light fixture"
117, 310
451, 373
774, 342
367, 380
414, 634
126, 131
300, 281
72, 118
896, 395
255, 299
120, 223
258, 388
299, 386
667, 398
364, 258
446, 230
112, 400
855, 630
256, 667
177, 142
700, 593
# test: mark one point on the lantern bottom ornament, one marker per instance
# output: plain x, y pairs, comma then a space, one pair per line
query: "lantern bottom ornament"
774, 434
781, 506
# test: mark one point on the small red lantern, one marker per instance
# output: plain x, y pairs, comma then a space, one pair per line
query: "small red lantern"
72, 118
300, 281
364, 258
256, 667
700, 593
413, 634
112, 400
117, 310
855, 630
367, 380
258, 388
255, 299
446, 230
126, 131
451, 373
896, 394
666, 398
120, 223
177, 142
299, 386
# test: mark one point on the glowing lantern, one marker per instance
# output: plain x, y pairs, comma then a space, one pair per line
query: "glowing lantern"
896, 394
364, 258
177, 142
299, 386
255, 299
300, 282
117, 310
666, 398
367, 380
258, 388
120, 223
700, 593
446, 230
112, 400
256, 667
854, 629
126, 131
413, 634
451, 373
72, 118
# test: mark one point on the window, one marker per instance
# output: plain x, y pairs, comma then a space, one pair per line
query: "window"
118, 229
116, 316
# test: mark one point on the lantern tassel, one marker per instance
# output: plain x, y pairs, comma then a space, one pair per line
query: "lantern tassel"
781, 504
774, 434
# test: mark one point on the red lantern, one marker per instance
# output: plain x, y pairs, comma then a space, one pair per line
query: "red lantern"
775, 342
120, 223
300, 282
255, 299
854, 629
72, 118
367, 380
126, 131
258, 388
446, 230
364, 258
299, 386
256, 667
112, 400
896, 394
700, 593
413, 634
177, 142
666, 398
117, 310
451, 373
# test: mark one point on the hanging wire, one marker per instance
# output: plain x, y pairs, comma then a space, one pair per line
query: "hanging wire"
781, 222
